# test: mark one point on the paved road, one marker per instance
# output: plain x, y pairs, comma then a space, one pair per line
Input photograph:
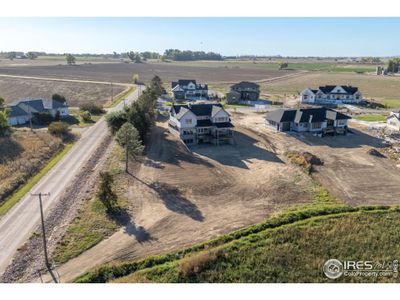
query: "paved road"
20, 222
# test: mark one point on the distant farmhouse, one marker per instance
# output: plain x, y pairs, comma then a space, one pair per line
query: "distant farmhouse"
23, 110
331, 94
316, 120
243, 91
186, 89
201, 123
393, 120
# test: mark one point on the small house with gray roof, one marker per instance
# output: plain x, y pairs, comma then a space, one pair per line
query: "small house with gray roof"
201, 123
316, 120
23, 110
331, 94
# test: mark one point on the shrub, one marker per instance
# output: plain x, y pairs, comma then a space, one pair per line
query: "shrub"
306, 160
86, 116
193, 264
43, 118
59, 98
58, 128
105, 193
93, 108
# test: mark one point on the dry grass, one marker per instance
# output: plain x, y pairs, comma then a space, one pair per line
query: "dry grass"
23, 155
76, 93
197, 262
371, 86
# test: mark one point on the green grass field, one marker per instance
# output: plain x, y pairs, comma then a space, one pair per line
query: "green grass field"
371, 117
93, 223
291, 247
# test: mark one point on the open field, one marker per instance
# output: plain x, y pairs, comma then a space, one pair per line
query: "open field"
23, 155
274, 65
76, 93
348, 171
377, 87
122, 72
292, 247
186, 198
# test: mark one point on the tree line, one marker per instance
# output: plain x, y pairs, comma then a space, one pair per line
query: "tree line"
131, 125
178, 55
394, 65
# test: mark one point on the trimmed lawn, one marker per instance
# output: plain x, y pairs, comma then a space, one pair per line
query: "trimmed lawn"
371, 118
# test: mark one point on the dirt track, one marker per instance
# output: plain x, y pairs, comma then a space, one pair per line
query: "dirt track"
179, 198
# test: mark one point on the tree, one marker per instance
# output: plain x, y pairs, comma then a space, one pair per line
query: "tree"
4, 125
134, 56
32, 55
115, 120
70, 59
11, 55
59, 98
1, 102
394, 65
128, 137
86, 116
135, 78
283, 65
105, 192
93, 108
157, 86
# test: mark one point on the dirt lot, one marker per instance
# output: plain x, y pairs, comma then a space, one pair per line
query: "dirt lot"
122, 72
349, 172
76, 93
180, 198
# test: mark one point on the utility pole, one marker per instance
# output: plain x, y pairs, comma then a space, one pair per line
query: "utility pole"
126, 153
46, 257
30, 117
112, 92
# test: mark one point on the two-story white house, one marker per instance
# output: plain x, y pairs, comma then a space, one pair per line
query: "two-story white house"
184, 89
393, 120
315, 120
201, 123
331, 94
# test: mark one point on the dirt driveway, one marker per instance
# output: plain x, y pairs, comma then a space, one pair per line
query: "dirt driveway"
349, 172
181, 198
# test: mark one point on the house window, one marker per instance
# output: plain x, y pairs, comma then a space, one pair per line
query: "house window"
188, 121
221, 119
316, 125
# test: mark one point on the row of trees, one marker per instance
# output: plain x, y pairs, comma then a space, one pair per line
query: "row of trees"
175, 54
132, 125
371, 60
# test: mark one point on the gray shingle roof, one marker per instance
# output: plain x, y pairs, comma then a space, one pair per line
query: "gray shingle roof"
244, 84
305, 115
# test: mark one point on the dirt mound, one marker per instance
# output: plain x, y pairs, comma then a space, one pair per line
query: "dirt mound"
375, 153
305, 159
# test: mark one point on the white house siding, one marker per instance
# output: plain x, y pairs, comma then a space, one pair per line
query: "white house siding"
221, 117
393, 122
307, 96
19, 120
188, 120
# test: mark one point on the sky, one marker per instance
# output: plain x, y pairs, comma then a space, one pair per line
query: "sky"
228, 36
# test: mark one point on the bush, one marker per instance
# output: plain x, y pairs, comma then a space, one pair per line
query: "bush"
58, 128
43, 118
94, 109
59, 98
86, 116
